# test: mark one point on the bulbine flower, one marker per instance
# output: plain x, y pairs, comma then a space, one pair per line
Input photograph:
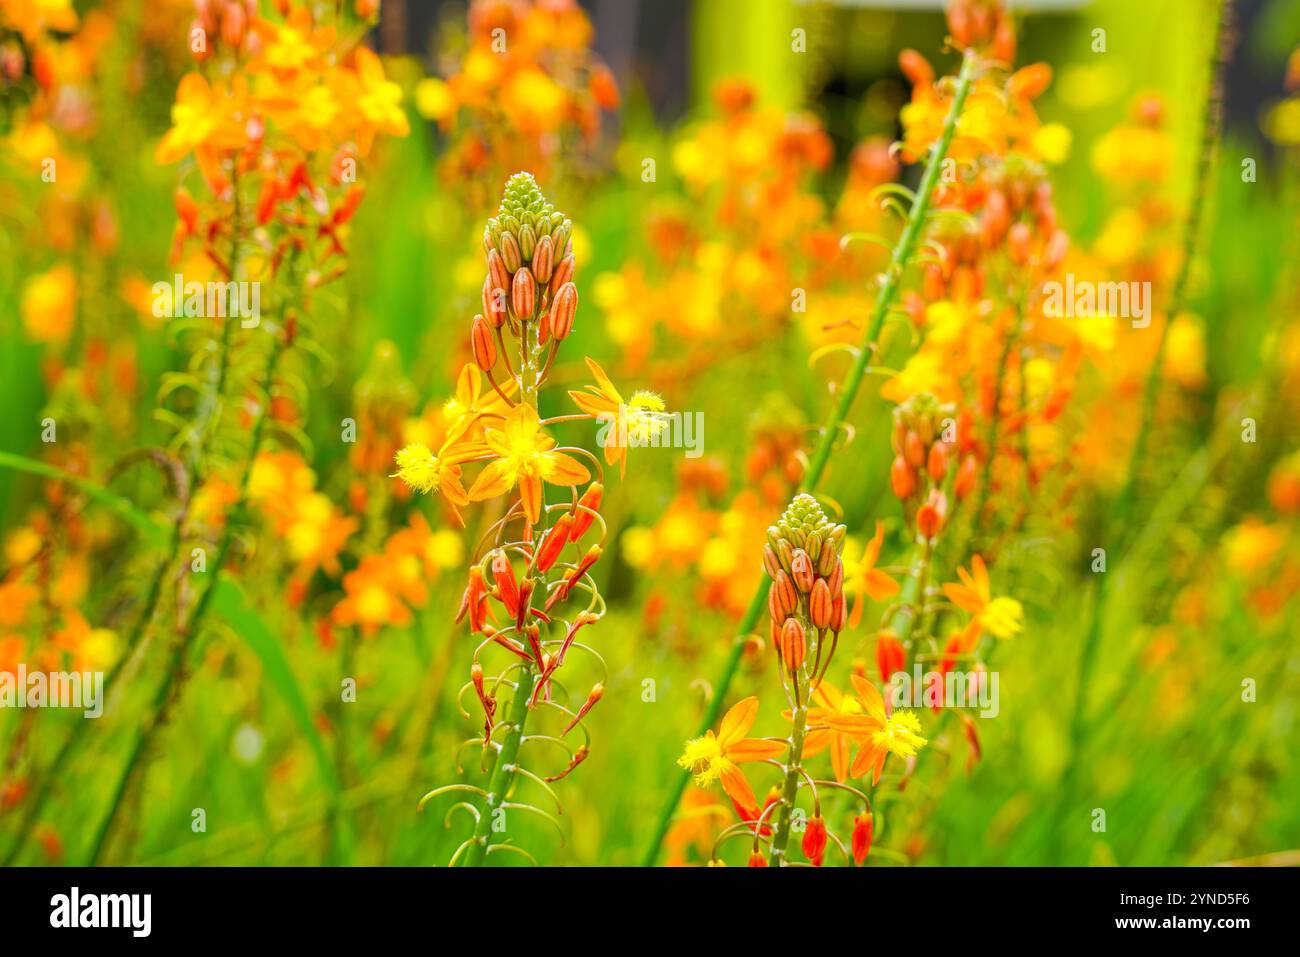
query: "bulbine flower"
526, 458
640, 420
1000, 616
879, 734
862, 579
426, 472
717, 757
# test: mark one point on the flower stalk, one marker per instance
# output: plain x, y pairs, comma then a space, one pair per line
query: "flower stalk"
899, 261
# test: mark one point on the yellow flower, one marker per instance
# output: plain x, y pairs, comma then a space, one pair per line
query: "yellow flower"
880, 734
715, 757
426, 472
378, 101
526, 458
639, 420
1001, 617
49, 304
195, 116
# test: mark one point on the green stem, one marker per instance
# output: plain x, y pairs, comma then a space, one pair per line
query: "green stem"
503, 770
172, 676
852, 382
793, 772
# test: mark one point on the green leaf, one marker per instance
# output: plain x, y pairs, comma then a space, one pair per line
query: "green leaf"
231, 604
148, 526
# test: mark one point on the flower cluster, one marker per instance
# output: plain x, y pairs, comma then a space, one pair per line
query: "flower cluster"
807, 610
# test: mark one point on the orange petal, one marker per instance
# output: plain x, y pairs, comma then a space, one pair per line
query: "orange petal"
755, 749
491, 482
871, 698
737, 788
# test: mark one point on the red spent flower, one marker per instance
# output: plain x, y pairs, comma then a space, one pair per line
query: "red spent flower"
814, 840
860, 841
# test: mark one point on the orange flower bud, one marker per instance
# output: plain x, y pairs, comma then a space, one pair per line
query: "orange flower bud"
839, 613
902, 479
523, 294
793, 643
756, 859
937, 463
801, 570
563, 273
930, 516
563, 309
916, 68
821, 604
494, 303
498, 275
1029, 82
786, 594
860, 841
836, 578
597, 692
474, 600
543, 259
890, 656
770, 563
913, 449
483, 344
553, 543
510, 252
590, 499
503, 574
814, 840
572, 576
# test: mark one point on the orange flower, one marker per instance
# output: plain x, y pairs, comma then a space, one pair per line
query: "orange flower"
829, 700
880, 734
639, 420
1001, 617
864, 580
717, 757
527, 458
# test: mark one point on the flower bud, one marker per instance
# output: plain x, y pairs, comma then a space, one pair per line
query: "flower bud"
553, 543
770, 563
937, 462
523, 294
820, 604
582, 520
930, 516
890, 657
814, 840
510, 251
860, 841
787, 597
503, 574
543, 260
494, 303
497, 272
563, 273
527, 243
801, 570
965, 482
793, 643
839, 613
902, 479
483, 344
563, 310
913, 449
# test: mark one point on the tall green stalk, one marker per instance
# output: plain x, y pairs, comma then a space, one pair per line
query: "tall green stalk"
899, 260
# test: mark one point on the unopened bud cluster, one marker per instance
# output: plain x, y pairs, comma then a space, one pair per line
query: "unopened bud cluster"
806, 599
530, 266
921, 462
